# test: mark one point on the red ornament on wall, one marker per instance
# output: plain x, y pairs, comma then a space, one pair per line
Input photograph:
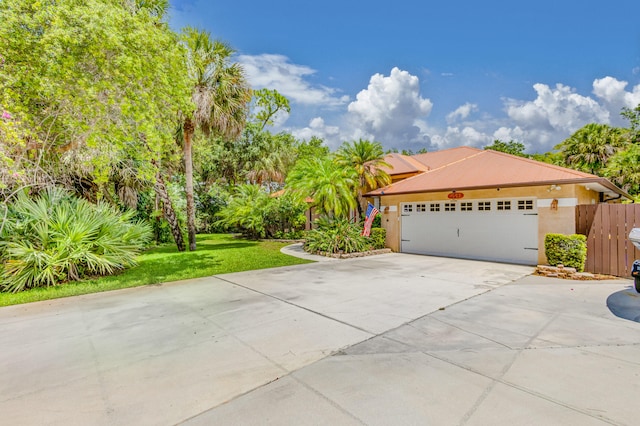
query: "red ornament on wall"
455, 195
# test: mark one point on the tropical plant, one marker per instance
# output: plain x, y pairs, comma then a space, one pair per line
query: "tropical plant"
378, 238
623, 169
210, 200
244, 211
55, 237
336, 236
285, 215
313, 148
633, 115
220, 94
589, 148
367, 159
253, 212
329, 185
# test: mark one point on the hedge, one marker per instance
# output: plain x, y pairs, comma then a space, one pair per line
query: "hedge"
568, 250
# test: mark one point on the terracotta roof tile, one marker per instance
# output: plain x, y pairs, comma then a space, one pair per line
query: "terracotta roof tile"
467, 168
401, 164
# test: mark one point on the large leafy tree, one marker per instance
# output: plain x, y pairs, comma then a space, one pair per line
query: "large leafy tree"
590, 147
94, 82
258, 156
88, 93
327, 183
220, 94
367, 159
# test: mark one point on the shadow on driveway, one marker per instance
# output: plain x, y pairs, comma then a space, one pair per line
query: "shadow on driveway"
625, 304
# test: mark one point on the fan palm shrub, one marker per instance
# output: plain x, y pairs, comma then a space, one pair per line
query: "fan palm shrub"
55, 237
336, 236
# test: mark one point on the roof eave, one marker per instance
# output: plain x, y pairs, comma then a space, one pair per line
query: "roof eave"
604, 182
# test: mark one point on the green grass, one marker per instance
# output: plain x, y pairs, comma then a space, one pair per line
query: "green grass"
216, 254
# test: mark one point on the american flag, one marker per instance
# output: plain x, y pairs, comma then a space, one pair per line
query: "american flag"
371, 214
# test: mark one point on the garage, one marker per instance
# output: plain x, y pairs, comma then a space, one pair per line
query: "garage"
482, 204
504, 230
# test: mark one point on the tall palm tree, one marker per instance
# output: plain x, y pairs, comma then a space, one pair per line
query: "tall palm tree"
590, 147
367, 158
330, 185
220, 96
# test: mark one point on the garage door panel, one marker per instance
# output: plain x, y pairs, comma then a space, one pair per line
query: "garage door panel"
508, 236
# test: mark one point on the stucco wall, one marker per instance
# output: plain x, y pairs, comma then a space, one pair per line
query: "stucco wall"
558, 220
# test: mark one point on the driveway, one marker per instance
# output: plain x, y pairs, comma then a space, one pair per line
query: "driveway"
389, 339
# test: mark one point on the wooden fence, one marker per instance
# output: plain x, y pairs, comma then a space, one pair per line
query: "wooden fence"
607, 228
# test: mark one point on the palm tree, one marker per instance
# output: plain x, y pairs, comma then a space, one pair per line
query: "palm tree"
367, 158
624, 169
271, 157
589, 148
330, 185
220, 96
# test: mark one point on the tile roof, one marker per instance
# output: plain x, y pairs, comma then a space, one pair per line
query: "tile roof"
472, 168
401, 164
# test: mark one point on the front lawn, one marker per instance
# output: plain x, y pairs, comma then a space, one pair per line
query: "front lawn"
216, 254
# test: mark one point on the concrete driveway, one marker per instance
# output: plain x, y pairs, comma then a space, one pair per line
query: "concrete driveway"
389, 339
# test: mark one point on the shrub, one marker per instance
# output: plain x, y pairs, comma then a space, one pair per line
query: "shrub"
336, 236
257, 215
378, 237
568, 250
55, 237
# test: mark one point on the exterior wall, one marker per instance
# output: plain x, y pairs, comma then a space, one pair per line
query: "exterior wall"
552, 217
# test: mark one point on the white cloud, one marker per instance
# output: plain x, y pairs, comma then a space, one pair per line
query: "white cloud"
613, 92
277, 72
392, 110
550, 118
318, 128
459, 136
559, 109
389, 108
462, 112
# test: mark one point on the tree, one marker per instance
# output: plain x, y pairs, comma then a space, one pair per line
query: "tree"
367, 159
633, 115
268, 104
220, 94
511, 147
88, 90
329, 184
623, 169
590, 147
313, 148
258, 156
88, 80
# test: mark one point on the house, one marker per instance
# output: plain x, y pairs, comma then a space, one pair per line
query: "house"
482, 204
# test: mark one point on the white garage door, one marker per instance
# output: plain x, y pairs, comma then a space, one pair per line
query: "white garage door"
504, 230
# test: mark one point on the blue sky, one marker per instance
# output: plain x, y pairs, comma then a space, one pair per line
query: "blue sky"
415, 74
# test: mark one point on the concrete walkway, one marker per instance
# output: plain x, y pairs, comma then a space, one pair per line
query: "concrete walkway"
389, 339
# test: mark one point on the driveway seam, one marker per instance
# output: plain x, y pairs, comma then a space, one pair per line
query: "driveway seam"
522, 389
373, 334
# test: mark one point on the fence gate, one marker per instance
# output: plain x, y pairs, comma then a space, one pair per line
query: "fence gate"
607, 228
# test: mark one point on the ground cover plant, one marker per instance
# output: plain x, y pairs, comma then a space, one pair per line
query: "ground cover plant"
55, 237
216, 254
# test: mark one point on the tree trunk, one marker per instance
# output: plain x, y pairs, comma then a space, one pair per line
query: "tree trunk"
188, 177
167, 210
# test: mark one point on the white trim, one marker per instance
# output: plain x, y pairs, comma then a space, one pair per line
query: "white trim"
562, 202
